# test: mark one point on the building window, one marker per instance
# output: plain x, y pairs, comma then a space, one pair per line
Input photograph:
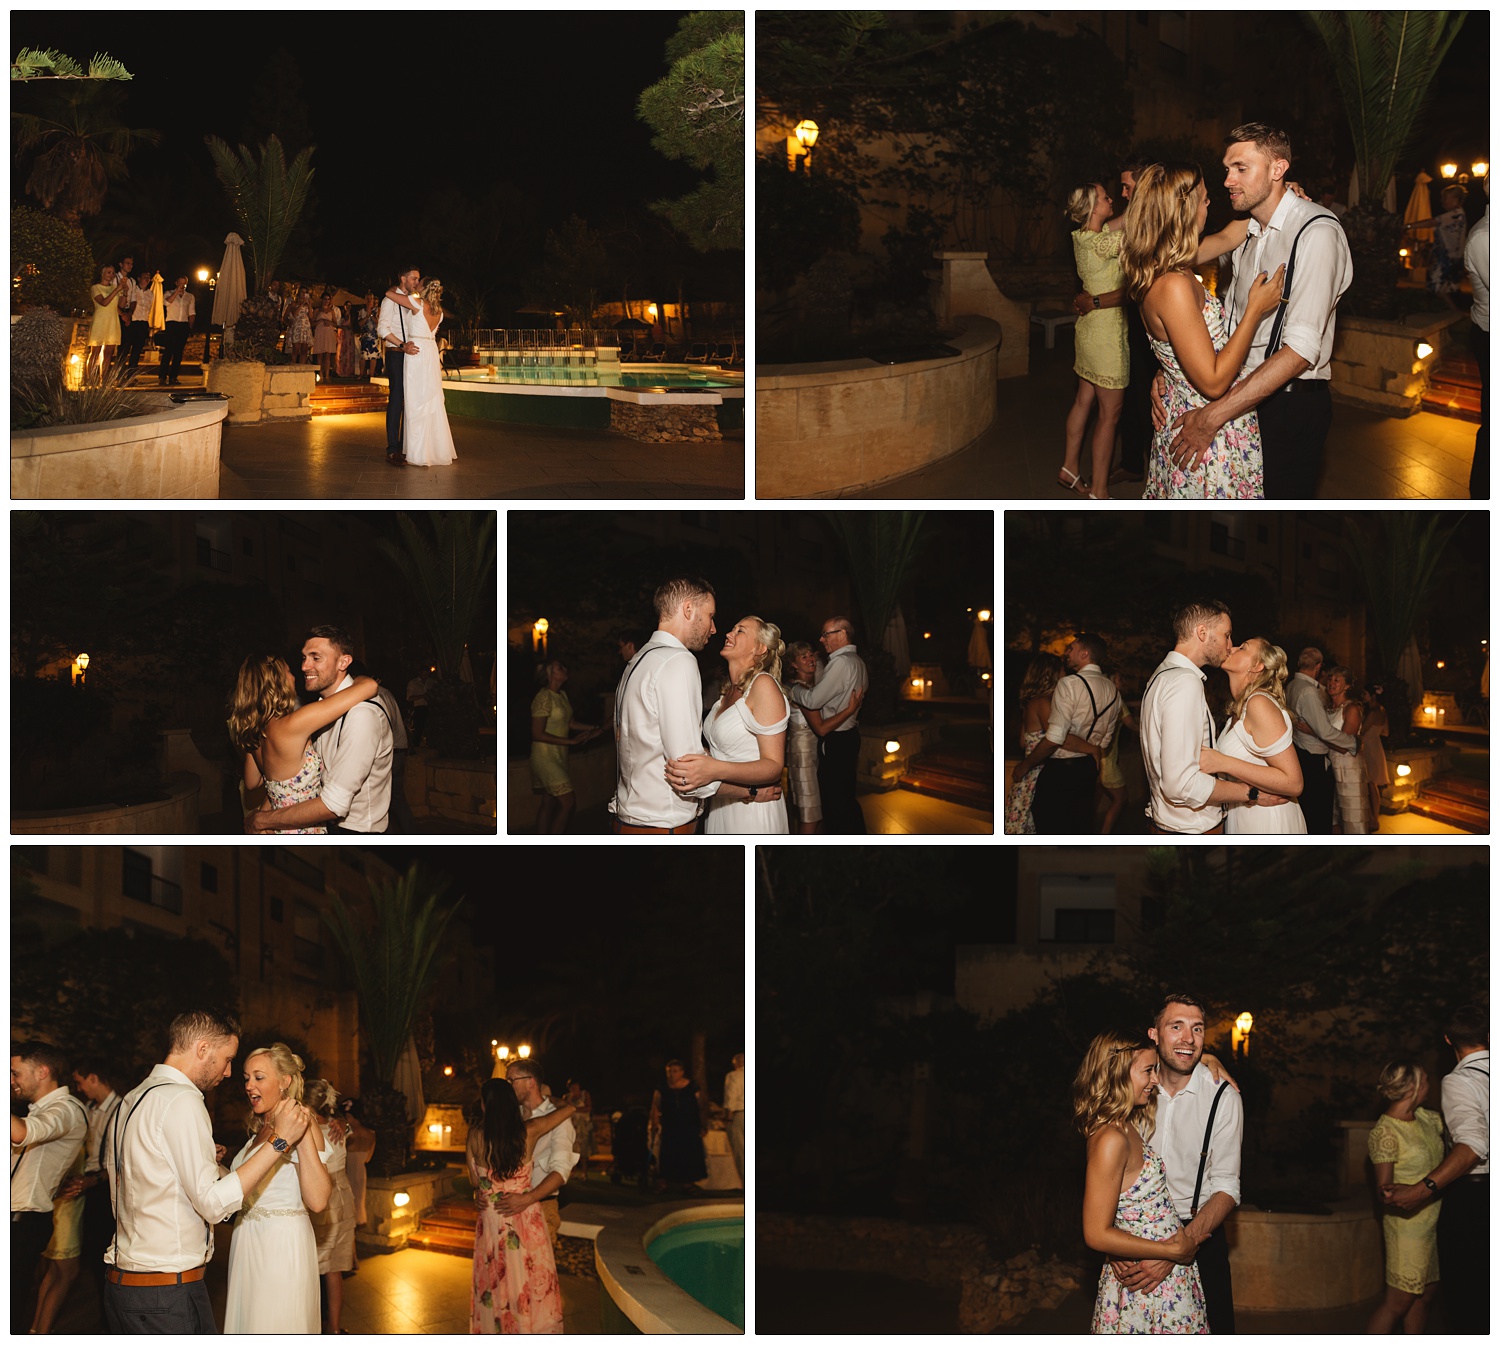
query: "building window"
211, 558
247, 546
307, 942
1262, 533
208, 877
278, 910
1076, 908
293, 867
139, 883
1222, 543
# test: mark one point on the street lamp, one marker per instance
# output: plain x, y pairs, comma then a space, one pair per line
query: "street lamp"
800, 143
82, 664
524, 1051
1449, 170
1242, 1029
539, 629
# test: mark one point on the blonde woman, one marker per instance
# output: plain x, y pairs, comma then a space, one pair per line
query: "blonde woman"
273, 1255
426, 434
1186, 328
1256, 748
1101, 358
274, 731
803, 730
746, 733
333, 1227
1405, 1145
1127, 1210
1042, 676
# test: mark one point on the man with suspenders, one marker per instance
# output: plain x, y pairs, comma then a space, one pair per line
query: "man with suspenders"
1462, 1179
166, 1185
1199, 1127
1085, 711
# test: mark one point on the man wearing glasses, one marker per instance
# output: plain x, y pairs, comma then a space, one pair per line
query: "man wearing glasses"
838, 757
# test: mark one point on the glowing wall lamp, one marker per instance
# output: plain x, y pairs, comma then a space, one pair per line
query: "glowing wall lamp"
539, 629
799, 145
1402, 771
524, 1051
81, 669
1480, 167
1449, 170
1243, 1025
401, 1200
1423, 350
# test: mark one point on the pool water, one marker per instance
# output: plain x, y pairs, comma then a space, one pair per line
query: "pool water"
591, 376
707, 1259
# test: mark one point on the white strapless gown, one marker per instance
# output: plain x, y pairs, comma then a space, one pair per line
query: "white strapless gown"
732, 736
1248, 819
426, 437
273, 1258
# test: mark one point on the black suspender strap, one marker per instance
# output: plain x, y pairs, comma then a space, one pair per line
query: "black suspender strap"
1093, 704
1274, 344
1203, 1156
620, 704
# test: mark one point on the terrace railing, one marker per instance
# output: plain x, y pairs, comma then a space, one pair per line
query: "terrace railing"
529, 348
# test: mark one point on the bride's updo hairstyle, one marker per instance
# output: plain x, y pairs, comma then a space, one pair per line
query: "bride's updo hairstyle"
322, 1098
1161, 225
286, 1063
1102, 1091
1271, 678
769, 650
1081, 202
263, 691
432, 291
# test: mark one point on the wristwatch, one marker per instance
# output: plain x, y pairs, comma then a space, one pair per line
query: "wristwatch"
754, 790
1430, 1185
1096, 301
279, 1144
1254, 793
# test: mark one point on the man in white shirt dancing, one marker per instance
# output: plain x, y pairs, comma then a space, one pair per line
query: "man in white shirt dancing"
1315, 739
553, 1158
168, 1192
838, 753
659, 717
1176, 726
1086, 710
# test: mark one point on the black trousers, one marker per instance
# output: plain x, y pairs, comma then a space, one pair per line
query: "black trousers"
29, 1236
838, 764
1294, 425
1317, 793
1463, 1237
98, 1230
1479, 473
395, 407
1135, 415
133, 342
1064, 801
175, 342
170, 1310
1218, 1284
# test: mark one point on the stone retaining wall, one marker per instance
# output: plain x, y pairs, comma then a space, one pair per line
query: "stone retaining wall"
1375, 363
992, 1293
175, 815
654, 423
462, 791
260, 392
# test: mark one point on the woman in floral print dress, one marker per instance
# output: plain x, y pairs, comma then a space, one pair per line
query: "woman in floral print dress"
1042, 675
1127, 1212
515, 1275
1186, 327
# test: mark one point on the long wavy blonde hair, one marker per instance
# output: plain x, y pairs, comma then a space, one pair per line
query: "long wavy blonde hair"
769, 655
1102, 1091
1161, 225
1043, 674
432, 292
1271, 678
263, 691
288, 1064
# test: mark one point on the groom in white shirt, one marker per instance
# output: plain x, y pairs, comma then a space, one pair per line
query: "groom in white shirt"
391, 328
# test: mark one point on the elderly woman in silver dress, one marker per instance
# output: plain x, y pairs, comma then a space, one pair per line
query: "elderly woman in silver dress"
804, 730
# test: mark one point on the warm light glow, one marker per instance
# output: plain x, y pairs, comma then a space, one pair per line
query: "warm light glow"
891, 745
524, 1051
1404, 252
1423, 350
651, 312
984, 677
448, 1071
916, 682
1480, 168
503, 1053
401, 1199
434, 1129
1448, 169
1428, 710
541, 625
83, 662
1440, 664
202, 274
1245, 1021
984, 613
927, 635
807, 133
73, 359
494, 1041
1403, 771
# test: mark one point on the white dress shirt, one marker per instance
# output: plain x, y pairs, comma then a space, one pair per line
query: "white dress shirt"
1477, 263
1073, 711
99, 1114
395, 322
838, 680
1322, 273
184, 309
1466, 1107
166, 1187
658, 716
554, 1151
56, 1125
734, 1090
143, 301
1180, 1125
357, 753
1304, 698
1175, 728
387, 698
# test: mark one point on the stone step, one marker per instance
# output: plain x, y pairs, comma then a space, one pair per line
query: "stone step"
1466, 818
448, 1241
1458, 800
1459, 788
955, 777
1457, 401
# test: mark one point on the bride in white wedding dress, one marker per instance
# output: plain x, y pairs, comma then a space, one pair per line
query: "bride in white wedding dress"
427, 439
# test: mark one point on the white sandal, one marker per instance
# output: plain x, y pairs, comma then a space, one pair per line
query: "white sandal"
1075, 486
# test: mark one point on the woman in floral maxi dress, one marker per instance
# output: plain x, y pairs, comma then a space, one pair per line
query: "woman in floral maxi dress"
1127, 1212
1042, 676
516, 1291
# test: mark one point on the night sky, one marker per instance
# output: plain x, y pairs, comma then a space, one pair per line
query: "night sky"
545, 101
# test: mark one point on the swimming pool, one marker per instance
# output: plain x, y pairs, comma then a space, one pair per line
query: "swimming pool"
607, 375
707, 1258
678, 1271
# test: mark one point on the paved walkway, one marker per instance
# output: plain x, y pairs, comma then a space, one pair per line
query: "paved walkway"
1424, 457
343, 458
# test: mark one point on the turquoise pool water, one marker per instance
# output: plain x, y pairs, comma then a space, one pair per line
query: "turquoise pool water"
589, 376
707, 1258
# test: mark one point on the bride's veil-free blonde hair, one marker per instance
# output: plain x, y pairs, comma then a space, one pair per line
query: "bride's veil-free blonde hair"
1161, 225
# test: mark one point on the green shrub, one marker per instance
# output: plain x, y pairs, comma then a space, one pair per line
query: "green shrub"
51, 260
256, 332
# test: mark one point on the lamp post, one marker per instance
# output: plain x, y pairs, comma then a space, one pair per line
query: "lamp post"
800, 143
1243, 1026
539, 629
82, 664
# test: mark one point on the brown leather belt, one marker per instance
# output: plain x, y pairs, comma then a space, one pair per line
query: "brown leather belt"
141, 1279
627, 829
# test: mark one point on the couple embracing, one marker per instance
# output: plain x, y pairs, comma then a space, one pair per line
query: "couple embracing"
1163, 1128
416, 420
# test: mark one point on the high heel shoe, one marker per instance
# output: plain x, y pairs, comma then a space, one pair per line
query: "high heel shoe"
1075, 486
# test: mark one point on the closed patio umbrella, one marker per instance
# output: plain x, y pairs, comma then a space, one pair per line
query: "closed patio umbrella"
229, 293
1419, 203
158, 319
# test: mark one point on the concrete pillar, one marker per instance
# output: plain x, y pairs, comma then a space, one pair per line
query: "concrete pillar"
966, 287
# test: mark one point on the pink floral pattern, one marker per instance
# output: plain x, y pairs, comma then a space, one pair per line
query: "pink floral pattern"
515, 1274
1018, 820
1175, 1307
1233, 469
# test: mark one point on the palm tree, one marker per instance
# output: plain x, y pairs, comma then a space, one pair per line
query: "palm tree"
393, 960
267, 196
82, 147
1385, 62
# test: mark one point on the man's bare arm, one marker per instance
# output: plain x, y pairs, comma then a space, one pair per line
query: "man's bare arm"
313, 813
1199, 427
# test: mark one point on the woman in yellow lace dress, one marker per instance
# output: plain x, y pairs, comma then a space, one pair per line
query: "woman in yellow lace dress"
1101, 358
